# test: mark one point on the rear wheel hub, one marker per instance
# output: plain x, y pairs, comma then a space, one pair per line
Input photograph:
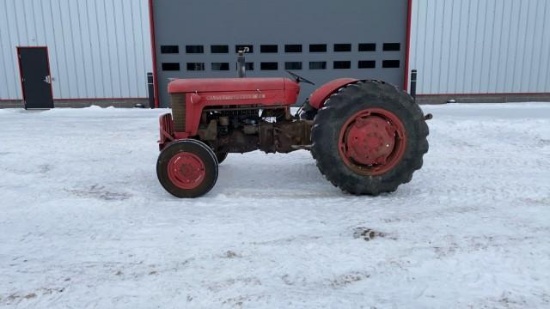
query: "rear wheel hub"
372, 141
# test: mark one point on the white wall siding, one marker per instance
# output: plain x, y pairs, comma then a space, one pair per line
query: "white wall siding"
481, 46
97, 48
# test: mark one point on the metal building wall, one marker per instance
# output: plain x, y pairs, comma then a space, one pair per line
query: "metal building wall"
101, 48
481, 46
97, 48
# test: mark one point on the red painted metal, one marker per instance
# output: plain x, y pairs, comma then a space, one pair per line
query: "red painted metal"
154, 52
167, 133
408, 45
166, 125
372, 141
320, 95
200, 93
186, 170
257, 85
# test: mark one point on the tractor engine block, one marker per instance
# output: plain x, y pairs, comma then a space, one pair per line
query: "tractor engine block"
243, 130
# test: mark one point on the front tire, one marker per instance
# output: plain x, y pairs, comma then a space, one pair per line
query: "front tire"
369, 138
187, 168
221, 156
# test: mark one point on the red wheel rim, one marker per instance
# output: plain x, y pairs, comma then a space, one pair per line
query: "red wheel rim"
372, 141
186, 170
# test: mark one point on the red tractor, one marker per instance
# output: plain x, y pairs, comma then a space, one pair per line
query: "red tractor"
367, 136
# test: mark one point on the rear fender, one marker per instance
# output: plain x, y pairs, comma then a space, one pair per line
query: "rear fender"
320, 95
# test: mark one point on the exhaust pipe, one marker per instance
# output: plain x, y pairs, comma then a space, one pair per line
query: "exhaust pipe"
241, 63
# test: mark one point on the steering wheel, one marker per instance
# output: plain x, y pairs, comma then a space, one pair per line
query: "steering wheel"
300, 79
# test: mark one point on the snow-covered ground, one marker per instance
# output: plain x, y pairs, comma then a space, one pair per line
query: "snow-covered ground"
84, 222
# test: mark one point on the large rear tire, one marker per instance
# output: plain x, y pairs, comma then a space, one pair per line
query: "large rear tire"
187, 168
369, 138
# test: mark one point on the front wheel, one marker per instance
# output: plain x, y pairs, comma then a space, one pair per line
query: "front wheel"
221, 156
187, 168
369, 138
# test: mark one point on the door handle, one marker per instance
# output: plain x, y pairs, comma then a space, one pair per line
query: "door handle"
48, 79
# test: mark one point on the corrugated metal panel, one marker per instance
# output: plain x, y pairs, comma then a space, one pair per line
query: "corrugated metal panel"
97, 48
481, 46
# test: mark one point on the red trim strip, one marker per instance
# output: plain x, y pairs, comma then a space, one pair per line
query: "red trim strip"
486, 94
424, 95
84, 99
154, 52
100, 99
408, 43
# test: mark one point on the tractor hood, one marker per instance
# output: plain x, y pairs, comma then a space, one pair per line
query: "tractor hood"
202, 85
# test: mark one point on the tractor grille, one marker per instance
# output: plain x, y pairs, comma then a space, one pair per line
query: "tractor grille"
178, 111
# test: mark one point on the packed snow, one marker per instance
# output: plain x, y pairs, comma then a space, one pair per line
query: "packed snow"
84, 222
